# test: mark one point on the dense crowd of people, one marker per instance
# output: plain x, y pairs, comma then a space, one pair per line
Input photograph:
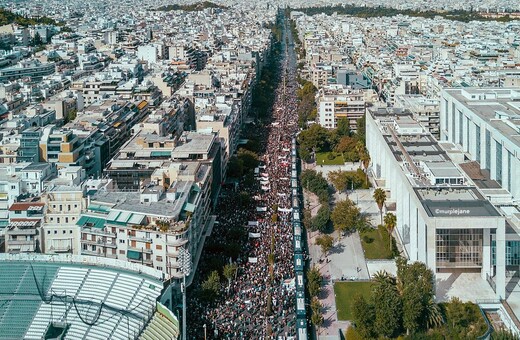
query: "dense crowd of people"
259, 302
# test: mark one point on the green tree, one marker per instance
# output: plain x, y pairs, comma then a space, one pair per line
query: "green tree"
316, 317
380, 198
235, 167
37, 40
390, 223
345, 216
504, 334
315, 138
229, 272
415, 283
325, 242
346, 145
360, 129
456, 313
244, 199
320, 222
433, 314
211, 286
343, 127
314, 279
71, 116
388, 307
249, 158
339, 179
363, 315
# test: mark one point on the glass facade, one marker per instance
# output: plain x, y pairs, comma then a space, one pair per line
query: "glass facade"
512, 253
459, 248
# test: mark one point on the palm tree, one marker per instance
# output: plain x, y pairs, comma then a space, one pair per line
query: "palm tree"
364, 158
390, 223
380, 198
433, 314
383, 277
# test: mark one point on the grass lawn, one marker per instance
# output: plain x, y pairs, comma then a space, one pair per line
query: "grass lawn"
376, 244
345, 292
322, 158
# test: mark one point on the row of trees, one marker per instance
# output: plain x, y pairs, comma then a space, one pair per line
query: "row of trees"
398, 304
8, 17
211, 287
381, 11
199, 6
405, 305
306, 96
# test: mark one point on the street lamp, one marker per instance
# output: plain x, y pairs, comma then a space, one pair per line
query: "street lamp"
185, 258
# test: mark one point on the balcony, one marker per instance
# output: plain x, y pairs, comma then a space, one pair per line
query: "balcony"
141, 260
21, 243
176, 243
172, 253
140, 239
24, 232
141, 250
97, 231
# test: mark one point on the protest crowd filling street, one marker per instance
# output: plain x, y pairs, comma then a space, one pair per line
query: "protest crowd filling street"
259, 303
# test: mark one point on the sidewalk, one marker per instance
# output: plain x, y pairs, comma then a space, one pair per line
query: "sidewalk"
346, 260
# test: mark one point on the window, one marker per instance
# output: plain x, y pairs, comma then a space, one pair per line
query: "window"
48, 232
158, 247
121, 252
55, 232
64, 231
70, 231
121, 241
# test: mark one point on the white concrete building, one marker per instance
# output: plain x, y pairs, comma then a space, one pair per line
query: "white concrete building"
485, 124
338, 101
443, 220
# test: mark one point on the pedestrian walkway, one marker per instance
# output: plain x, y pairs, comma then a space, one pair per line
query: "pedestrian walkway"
345, 260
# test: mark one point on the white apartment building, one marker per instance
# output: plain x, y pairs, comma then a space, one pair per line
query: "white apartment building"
485, 124
65, 200
443, 220
150, 226
338, 101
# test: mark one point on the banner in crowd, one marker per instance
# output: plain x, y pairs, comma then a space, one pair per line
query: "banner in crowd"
285, 210
289, 283
253, 260
261, 209
252, 223
254, 235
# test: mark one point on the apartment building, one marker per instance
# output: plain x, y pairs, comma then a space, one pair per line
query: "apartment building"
425, 110
149, 226
336, 102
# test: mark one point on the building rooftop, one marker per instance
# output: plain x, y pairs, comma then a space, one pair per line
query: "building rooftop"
131, 201
499, 107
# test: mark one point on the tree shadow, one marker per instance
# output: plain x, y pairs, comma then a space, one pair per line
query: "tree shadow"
337, 249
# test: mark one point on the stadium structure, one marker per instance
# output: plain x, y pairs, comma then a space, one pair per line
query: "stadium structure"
82, 297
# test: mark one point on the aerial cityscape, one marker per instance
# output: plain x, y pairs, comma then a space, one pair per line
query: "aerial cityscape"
259, 169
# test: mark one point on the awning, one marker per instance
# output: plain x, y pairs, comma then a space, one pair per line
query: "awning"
161, 153
91, 222
133, 255
99, 208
